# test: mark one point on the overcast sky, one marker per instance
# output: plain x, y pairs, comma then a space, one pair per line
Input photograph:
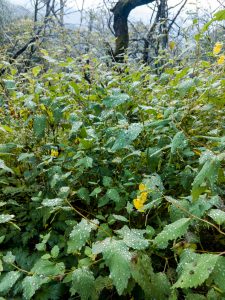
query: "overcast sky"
141, 12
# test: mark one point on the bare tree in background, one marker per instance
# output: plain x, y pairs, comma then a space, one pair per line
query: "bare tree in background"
121, 13
160, 25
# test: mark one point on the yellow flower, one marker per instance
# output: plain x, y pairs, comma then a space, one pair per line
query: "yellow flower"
143, 197
172, 45
54, 153
138, 204
217, 48
221, 60
142, 187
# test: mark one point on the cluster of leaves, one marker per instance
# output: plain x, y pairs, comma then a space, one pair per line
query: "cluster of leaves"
73, 155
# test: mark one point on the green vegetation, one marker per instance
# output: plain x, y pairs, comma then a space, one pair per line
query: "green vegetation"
114, 188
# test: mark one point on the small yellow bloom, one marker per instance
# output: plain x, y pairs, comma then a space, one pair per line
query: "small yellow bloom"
142, 187
143, 197
172, 45
54, 153
217, 48
138, 204
221, 60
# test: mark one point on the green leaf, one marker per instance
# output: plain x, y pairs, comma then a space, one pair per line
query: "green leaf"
55, 251
85, 162
155, 286
185, 86
217, 215
218, 274
96, 191
80, 234
127, 136
117, 258
179, 142
31, 284
120, 218
133, 237
9, 258
107, 181
171, 232
83, 194
9, 84
82, 283
196, 272
6, 218
116, 100
4, 167
8, 280
36, 70
25, 156
208, 172
48, 268
113, 195
52, 202
39, 126
75, 127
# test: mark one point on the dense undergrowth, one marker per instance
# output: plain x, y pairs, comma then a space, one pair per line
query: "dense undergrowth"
112, 189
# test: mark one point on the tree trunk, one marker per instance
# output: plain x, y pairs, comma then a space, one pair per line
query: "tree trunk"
121, 12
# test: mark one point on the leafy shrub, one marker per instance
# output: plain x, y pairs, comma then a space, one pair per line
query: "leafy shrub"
74, 156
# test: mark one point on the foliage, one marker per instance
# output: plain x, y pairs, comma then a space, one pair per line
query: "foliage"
114, 187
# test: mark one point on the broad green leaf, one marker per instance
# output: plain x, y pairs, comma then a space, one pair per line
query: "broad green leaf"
196, 272
9, 258
6, 218
107, 181
25, 156
82, 283
80, 234
101, 283
116, 100
208, 172
133, 237
31, 284
4, 167
55, 251
120, 218
96, 191
155, 286
117, 258
40, 125
127, 136
179, 142
83, 194
217, 215
185, 86
75, 127
52, 202
36, 70
113, 195
9, 84
218, 273
48, 268
171, 232
142, 272
85, 162
8, 280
